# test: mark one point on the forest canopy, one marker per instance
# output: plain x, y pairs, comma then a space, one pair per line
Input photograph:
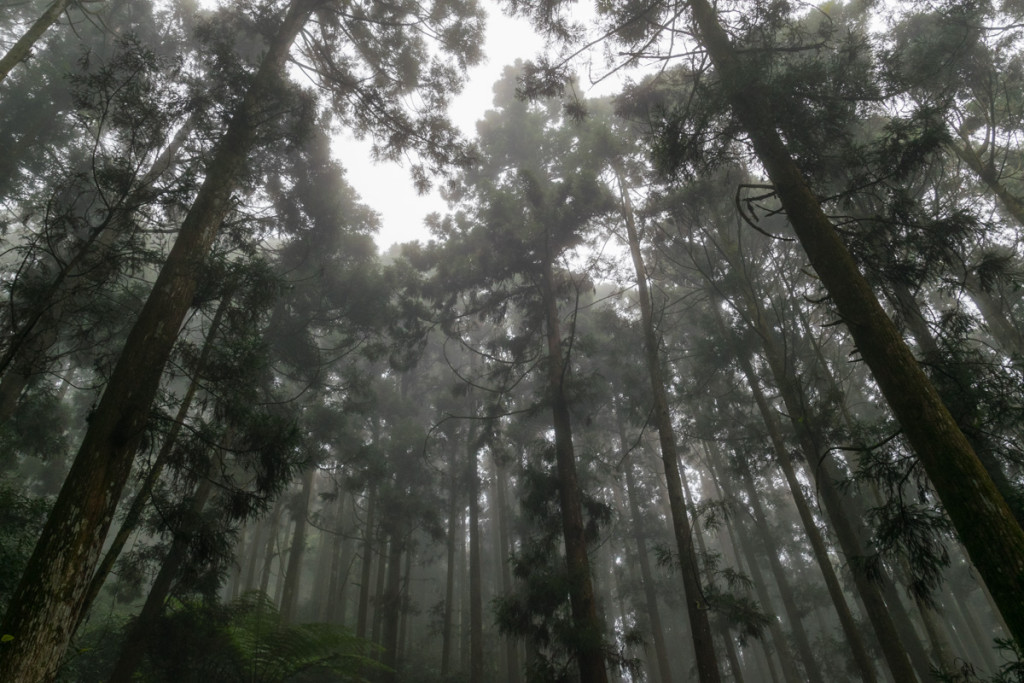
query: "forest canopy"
718, 377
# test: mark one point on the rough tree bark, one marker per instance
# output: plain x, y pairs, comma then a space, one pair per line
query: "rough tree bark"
45, 607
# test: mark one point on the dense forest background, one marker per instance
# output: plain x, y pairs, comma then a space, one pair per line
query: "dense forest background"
717, 379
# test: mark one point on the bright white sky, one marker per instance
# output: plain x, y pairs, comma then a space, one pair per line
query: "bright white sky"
386, 187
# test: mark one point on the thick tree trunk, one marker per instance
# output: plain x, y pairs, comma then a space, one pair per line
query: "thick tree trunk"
589, 633
700, 626
982, 518
46, 605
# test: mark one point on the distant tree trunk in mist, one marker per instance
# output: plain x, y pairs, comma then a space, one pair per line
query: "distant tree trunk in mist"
390, 603
646, 576
589, 632
993, 538
700, 626
369, 531
133, 649
454, 526
1008, 335
297, 549
476, 610
45, 607
770, 552
501, 511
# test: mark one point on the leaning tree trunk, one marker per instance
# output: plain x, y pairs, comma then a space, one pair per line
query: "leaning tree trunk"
22, 49
697, 610
589, 634
45, 607
982, 518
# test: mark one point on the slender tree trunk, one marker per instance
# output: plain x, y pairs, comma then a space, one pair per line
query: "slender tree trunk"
589, 633
138, 506
700, 626
1008, 335
369, 531
454, 525
803, 644
982, 518
297, 550
514, 670
646, 576
46, 605
987, 174
476, 610
391, 604
134, 647
270, 552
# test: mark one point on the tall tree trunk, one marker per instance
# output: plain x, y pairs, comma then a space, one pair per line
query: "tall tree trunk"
133, 649
45, 607
814, 535
476, 610
514, 671
700, 626
369, 531
589, 633
646, 576
390, 604
454, 525
982, 518
297, 550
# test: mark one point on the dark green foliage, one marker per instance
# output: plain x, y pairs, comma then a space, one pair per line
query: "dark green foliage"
245, 642
21, 520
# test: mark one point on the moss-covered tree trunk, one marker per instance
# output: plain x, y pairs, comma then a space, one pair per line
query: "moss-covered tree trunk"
982, 518
45, 607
